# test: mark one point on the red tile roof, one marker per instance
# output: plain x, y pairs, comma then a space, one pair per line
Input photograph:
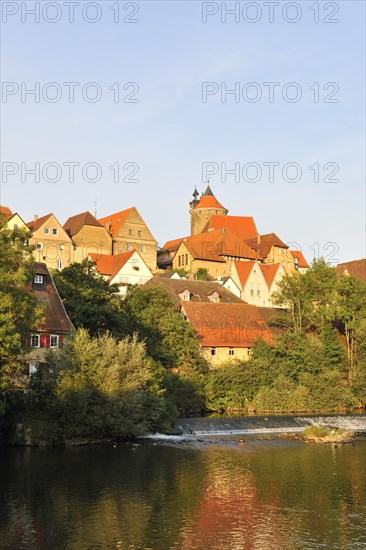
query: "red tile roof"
73, 225
213, 245
227, 325
243, 226
56, 319
269, 271
173, 245
209, 201
106, 264
243, 270
117, 220
5, 211
301, 260
355, 268
34, 225
265, 244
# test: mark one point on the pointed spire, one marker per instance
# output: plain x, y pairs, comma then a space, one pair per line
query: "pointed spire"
208, 191
195, 193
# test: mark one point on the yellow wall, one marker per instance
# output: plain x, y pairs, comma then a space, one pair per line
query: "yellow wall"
215, 269
54, 247
136, 233
222, 355
91, 239
200, 218
16, 220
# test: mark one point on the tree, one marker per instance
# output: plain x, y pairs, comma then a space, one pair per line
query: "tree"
19, 311
202, 274
100, 387
351, 312
90, 301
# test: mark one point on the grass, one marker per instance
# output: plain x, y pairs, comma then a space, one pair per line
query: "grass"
320, 431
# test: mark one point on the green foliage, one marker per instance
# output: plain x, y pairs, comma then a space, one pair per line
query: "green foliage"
202, 274
316, 431
90, 301
19, 311
100, 386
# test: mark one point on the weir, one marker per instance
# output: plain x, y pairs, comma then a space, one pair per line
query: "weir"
266, 424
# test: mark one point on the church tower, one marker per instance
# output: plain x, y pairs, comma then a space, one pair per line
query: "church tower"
201, 210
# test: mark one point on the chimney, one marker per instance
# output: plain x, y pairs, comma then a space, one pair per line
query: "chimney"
35, 217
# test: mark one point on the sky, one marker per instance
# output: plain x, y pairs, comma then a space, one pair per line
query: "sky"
148, 114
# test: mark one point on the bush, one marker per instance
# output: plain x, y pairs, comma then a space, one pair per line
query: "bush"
101, 387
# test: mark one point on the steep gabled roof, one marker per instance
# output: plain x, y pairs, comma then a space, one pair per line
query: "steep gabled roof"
265, 244
355, 268
73, 225
110, 265
199, 290
116, 220
269, 271
56, 319
243, 270
227, 325
5, 211
36, 224
300, 258
173, 245
243, 226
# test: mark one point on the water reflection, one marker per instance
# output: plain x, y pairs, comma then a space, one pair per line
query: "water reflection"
219, 495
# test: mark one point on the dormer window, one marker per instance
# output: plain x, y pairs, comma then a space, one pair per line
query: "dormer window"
214, 297
38, 279
185, 296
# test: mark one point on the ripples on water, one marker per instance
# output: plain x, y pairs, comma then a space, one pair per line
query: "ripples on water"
183, 493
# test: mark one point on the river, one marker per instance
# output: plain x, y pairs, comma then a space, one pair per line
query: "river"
207, 492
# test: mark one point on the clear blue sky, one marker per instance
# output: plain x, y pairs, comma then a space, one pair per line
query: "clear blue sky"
170, 132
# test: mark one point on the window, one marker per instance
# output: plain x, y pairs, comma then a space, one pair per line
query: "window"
249, 351
53, 341
35, 341
252, 292
130, 231
38, 279
186, 297
142, 248
258, 292
54, 231
46, 230
128, 247
39, 246
15, 226
231, 351
179, 261
213, 351
186, 259
139, 233
59, 264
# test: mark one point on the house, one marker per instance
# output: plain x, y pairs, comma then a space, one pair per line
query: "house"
300, 264
272, 250
129, 232
273, 273
53, 246
214, 251
56, 326
354, 268
226, 331
188, 290
253, 285
127, 268
13, 221
88, 235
